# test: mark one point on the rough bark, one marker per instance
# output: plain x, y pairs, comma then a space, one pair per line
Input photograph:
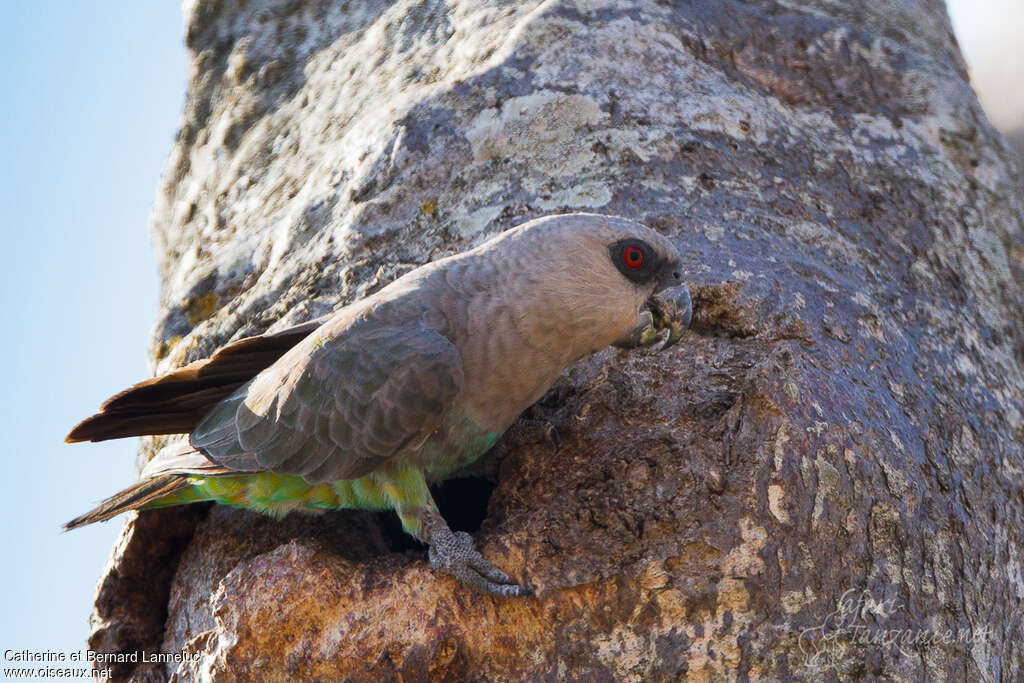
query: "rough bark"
836, 455
1016, 139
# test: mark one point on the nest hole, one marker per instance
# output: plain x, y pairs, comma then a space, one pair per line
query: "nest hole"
462, 502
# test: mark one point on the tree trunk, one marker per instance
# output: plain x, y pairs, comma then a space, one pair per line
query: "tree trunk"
824, 482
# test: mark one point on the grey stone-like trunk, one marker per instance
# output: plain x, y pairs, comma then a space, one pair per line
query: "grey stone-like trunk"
823, 482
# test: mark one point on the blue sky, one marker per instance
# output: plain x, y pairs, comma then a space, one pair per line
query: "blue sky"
92, 93
989, 33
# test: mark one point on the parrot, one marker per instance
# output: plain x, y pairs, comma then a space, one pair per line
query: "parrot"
369, 406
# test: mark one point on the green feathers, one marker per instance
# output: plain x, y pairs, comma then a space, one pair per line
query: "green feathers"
278, 494
402, 485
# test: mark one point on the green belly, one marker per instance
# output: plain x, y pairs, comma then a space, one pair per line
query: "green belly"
279, 494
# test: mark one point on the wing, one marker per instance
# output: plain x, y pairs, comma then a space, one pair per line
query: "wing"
181, 458
176, 402
337, 408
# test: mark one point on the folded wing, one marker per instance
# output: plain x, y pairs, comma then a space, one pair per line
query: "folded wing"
337, 407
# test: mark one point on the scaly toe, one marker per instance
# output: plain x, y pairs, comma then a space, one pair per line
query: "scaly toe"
477, 563
456, 556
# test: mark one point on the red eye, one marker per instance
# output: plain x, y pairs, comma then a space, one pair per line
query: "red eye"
633, 257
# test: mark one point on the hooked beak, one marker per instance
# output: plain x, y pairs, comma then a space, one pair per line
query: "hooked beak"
672, 310
668, 315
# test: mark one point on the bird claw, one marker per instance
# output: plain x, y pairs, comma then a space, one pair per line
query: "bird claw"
454, 554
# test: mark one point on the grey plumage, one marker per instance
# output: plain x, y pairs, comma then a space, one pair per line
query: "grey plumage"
414, 382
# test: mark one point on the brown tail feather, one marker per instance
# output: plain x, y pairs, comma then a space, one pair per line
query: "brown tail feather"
132, 498
176, 402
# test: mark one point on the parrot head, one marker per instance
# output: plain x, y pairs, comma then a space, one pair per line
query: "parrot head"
669, 303
615, 278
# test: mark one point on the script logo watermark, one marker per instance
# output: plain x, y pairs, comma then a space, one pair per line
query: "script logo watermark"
860, 621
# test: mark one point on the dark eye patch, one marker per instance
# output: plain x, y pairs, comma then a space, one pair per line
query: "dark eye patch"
635, 259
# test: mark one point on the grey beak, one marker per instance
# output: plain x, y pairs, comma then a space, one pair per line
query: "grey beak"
672, 310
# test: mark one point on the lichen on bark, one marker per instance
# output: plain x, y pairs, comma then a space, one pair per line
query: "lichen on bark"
835, 455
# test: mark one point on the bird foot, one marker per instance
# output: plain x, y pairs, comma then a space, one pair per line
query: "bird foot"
453, 553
